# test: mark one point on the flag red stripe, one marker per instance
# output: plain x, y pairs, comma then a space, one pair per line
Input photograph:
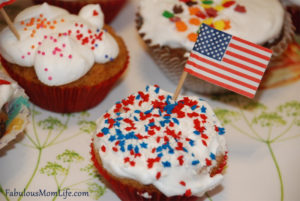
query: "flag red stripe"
221, 84
242, 49
246, 59
252, 44
225, 68
239, 65
203, 68
4, 82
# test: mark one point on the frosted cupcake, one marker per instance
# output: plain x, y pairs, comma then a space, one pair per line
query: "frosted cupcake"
65, 63
110, 8
149, 147
169, 28
13, 110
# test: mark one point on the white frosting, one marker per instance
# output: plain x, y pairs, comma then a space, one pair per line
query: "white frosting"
127, 142
64, 47
7, 91
262, 22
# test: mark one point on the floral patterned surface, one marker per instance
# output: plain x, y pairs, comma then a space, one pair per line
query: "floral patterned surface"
51, 161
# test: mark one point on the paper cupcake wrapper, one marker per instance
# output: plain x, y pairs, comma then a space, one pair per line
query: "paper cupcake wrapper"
65, 100
287, 37
172, 61
110, 8
129, 193
18, 111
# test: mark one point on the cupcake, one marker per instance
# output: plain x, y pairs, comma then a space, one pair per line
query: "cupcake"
293, 7
110, 8
13, 110
150, 147
66, 63
170, 41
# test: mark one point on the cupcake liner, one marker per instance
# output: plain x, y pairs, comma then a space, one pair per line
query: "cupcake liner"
129, 192
65, 99
295, 14
288, 33
110, 8
172, 61
18, 111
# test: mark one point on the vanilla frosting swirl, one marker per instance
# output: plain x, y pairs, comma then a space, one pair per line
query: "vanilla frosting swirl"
60, 46
155, 140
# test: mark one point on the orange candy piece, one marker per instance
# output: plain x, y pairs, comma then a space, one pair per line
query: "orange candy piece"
194, 10
195, 21
181, 26
192, 37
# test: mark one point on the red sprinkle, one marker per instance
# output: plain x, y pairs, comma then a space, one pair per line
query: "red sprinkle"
240, 8
158, 175
103, 148
182, 183
188, 193
228, 4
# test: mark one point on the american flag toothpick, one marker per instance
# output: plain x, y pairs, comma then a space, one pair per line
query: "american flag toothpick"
6, 18
227, 61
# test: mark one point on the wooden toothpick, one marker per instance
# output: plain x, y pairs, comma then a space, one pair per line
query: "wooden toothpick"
180, 84
9, 23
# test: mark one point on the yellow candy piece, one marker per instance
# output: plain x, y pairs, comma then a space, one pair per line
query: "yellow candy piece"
208, 21
219, 24
219, 7
206, 6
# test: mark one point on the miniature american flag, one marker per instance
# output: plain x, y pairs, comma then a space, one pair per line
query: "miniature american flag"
228, 61
5, 2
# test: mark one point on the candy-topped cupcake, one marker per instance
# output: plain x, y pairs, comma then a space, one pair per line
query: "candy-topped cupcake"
150, 147
170, 41
65, 63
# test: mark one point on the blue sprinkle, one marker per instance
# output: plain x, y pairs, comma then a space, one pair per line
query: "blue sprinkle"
166, 164
168, 99
129, 147
203, 109
167, 117
117, 124
146, 128
193, 154
130, 136
137, 111
195, 162
159, 112
197, 132
111, 59
175, 120
168, 108
160, 155
144, 145
135, 118
105, 130
97, 30
184, 149
96, 45
138, 97
151, 124
194, 107
156, 90
212, 156
192, 142
148, 111
162, 123
171, 151
106, 56
136, 149
221, 131
159, 149
122, 148
106, 121
112, 138
119, 118
147, 88
118, 113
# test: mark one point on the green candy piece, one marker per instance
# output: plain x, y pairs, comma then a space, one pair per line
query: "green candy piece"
207, 2
168, 14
